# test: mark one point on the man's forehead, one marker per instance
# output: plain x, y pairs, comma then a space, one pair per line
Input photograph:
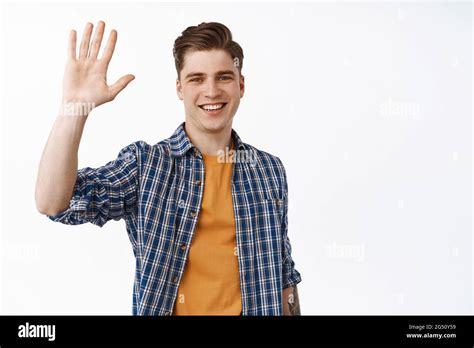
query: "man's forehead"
208, 61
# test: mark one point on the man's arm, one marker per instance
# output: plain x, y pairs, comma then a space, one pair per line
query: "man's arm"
84, 87
291, 302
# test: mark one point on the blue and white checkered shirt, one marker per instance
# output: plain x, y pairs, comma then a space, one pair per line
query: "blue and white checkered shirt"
158, 191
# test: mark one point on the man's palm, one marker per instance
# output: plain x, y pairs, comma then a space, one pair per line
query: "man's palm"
85, 77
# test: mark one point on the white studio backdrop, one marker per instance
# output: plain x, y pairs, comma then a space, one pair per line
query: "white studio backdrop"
367, 104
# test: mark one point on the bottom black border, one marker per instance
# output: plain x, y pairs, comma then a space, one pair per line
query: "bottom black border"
76, 331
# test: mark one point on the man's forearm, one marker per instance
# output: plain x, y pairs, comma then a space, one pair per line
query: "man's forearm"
58, 166
291, 302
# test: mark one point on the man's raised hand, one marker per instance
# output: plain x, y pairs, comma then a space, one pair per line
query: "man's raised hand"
85, 76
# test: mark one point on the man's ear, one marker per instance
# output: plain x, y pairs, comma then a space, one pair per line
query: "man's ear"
242, 85
179, 89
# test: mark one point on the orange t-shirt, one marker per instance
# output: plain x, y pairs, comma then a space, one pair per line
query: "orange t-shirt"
210, 284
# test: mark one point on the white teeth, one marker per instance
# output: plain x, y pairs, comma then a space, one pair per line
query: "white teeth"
213, 107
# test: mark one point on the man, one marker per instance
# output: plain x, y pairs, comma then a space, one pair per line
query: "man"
206, 214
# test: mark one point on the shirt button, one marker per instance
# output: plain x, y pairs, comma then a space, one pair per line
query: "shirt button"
183, 247
167, 313
175, 279
193, 213
198, 182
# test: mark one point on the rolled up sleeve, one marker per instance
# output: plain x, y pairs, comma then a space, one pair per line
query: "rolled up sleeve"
104, 193
290, 275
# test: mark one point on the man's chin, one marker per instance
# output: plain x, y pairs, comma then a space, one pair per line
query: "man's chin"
213, 128
216, 125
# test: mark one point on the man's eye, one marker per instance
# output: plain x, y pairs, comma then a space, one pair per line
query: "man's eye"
196, 79
225, 77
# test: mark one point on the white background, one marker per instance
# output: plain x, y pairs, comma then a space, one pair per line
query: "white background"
367, 104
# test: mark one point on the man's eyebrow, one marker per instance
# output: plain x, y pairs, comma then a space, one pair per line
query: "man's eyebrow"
225, 72
192, 74
219, 73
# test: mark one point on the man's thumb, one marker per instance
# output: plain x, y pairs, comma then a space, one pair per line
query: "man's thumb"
121, 84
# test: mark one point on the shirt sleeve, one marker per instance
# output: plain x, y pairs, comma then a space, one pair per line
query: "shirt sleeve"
104, 193
291, 276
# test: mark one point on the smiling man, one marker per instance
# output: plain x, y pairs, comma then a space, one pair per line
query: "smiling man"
209, 232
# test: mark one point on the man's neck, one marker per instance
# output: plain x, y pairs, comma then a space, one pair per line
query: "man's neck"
209, 143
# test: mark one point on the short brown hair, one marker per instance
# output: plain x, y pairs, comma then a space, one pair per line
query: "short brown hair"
204, 37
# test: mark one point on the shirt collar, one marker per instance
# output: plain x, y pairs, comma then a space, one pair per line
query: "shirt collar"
180, 143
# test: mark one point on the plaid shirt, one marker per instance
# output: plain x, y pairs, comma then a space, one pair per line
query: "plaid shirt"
158, 191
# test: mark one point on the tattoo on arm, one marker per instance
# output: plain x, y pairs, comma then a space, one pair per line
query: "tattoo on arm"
294, 302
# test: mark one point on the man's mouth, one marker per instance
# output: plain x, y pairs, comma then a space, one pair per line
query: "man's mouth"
213, 108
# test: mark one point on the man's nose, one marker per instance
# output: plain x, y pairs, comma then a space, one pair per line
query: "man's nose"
211, 89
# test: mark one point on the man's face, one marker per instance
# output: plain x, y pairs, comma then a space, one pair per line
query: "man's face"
210, 87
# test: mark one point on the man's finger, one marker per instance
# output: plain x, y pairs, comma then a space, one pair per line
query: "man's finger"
109, 49
120, 84
72, 45
86, 38
99, 33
